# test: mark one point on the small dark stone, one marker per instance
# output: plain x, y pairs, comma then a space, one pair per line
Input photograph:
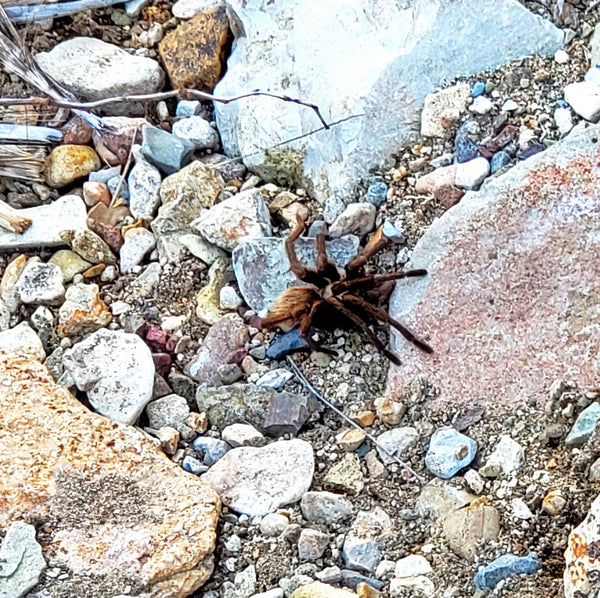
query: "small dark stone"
290, 342
499, 160
161, 388
464, 148
351, 579
183, 385
534, 148
472, 415
286, 414
162, 363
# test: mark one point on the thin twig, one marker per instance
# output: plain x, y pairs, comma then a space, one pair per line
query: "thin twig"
125, 169
296, 371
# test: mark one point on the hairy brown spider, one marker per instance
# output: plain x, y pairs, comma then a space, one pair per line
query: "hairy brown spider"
329, 295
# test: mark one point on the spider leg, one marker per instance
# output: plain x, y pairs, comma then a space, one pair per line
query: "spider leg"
382, 314
322, 260
364, 326
374, 280
305, 325
377, 243
295, 266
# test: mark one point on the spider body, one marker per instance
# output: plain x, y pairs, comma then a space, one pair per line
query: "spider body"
330, 297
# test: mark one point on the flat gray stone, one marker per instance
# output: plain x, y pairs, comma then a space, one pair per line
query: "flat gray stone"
169, 410
41, 283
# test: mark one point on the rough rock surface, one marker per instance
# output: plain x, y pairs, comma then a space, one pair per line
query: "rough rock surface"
115, 516
385, 73
257, 481
512, 284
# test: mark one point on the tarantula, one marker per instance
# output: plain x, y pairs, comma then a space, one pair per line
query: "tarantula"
330, 295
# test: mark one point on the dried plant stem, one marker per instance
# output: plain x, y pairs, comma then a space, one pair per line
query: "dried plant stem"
11, 220
24, 162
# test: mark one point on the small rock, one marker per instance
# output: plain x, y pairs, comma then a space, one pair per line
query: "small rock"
470, 174
318, 589
242, 216
584, 98
22, 560
333, 208
443, 109
554, 502
357, 219
437, 500
193, 53
9, 295
274, 524
436, 180
243, 586
70, 263
138, 242
449, 451
520, 509
275, 379
95, 192
311, 545
390, 411
208, 304
509, 106
464, 148
194, 465
474, 481
186, 9
561, 57
349, 440
377, 194
257, 481
286, 414
116, 370
167, 152
41, 283
107, 223
346, 475
144, 190
499, 160
201, 249
563, 120
67, 163
287, 343
169, 439
488, 577
505, 460
325, 507
89, 246
394, 442
212, 449
465, 528
375, 467
584, 426
481, 105
82, 311
477, 89
242, 435
415, 586
362, 545
187, 107
229, 299
23, 339
169, 410
412, 565
196, 131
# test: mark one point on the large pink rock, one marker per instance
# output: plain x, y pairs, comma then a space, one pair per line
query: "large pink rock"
512, 300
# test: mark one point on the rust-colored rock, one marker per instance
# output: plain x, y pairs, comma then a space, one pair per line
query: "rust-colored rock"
107, 223
511, 300
193, 55
83, 311
113, 514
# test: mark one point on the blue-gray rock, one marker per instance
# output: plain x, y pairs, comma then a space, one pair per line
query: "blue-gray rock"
285, 344
464, 148
419, 50
325, 507
499, 160
21, 560
167, 152
362, 545
212, 449
194, 465
275, 379
196, 131
449, 451
377, 193
187, 108
584, 426
144, 190
395, 441
477, 89
351, 579
286, 414
113, 183
393, 231
104, 175
311, 545
488, 577
262, 268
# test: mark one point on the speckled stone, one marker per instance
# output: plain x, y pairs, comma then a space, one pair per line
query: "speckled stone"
525, 249
67, 163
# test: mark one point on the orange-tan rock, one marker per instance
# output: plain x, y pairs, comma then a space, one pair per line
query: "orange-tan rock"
67, 163
112, 512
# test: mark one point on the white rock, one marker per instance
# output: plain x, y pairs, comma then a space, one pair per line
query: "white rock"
41, 283
138, 242
474, 481
94, 70
357, 219
117, 372
415, 586
481, 105
186, 9
443, 109
197, 131
561, 57
229, 299
144, 190
274, 524
509, 106
520, 510
23, 339
412, 565
505, 460
563, 120
201, 249
471, 174
242, 435
275, 378
167, 411
352, 57
584, 98
595, 47
242, 216
257, 481
48, 221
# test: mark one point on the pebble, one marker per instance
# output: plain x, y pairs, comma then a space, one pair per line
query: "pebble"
325, 507
509, 106
138, 242
470, 174
95, 192
229, 299
499, 160
318, 589
82, 311
275, 379
554, 502
208, 305
464, 148
357, 219
287, 343
258, 481
8, 284
117, 388
166, 151
233, 543
201, 249
243, 586
41, 283
561, 57
584, 98
70, 263
442, 110
89, 246
415, 586
168, 438
481, 105
377, 194
193, 465
197, 131
242, 435
449, 451
274, 592
394, 442
187, 107
438, 499
351, 439
67, 163
286, 414
474, 481
584, 426
505, 460
169, 410
242, 216
411, 566
563, 120
393, 231
144, 190
346, 475
362, 544
520, 510
212, 449
274, 524
23, 339
311, 545
477, 89
507, 565
334, 206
